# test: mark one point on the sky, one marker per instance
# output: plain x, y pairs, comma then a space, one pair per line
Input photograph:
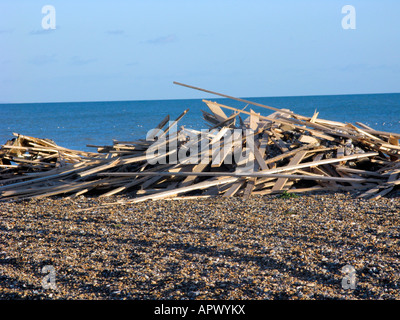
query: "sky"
134, 50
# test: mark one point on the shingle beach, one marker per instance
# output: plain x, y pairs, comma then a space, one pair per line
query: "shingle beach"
267, 247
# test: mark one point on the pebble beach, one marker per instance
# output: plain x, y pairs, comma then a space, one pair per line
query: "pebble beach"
263, 248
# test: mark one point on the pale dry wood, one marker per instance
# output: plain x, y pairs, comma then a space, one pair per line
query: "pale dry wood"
364, 126
288, 154
158, 128
359, 171
249, 188
126, 165
314, 117
366, 134
242, 100
197, 186
258, 174
217, 111
234, 188
136, 181
280, 144
46, 177
321, 162
185, 198
190, 179
254, 120
174, 123
308, 139
393, 140
296, 159
259, 155
392, 178
374, 193
290, 121
383, 133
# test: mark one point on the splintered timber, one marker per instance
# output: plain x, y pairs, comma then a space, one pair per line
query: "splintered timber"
242, 152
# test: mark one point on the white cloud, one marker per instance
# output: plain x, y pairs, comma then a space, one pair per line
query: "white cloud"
116, 32
79, 61
162, 40
43, 59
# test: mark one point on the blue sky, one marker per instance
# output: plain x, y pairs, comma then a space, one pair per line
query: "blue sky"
134, 50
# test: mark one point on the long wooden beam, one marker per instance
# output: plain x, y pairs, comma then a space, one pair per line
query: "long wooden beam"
258, 174
243, 100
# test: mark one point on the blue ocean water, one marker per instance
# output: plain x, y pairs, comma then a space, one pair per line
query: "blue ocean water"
75, 124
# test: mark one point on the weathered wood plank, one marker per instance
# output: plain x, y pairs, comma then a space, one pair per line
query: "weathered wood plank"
296, 159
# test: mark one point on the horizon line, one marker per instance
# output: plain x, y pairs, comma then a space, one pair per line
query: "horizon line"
254, 97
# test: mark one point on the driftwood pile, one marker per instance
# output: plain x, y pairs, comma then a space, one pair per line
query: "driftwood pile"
281, 152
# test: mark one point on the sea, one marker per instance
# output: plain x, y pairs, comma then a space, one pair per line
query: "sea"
75, 125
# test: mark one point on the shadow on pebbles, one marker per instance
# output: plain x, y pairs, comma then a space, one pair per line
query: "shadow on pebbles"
217, 248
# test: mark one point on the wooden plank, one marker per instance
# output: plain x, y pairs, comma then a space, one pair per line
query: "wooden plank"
383, 133
288, 154
334, 124
258, 174
127, 165
197, 186
96, 169
392, 177
308, 139
219, 135
263, 144
229, 122
296, 159
249, 188
234, 188
46, 177
242, 100
49, 191
259, 185
374, 193
374, 138
190, 179
364, 126
291, 121
210, 118
260, 160
136, 181
280, 144
217, 111
44, 143
174, 123
314, 117
187, 198
393, 140
158, 128
172, 168
292, 190
321, 162
358, 171
254, 120
258, 155
382, 193
340, 154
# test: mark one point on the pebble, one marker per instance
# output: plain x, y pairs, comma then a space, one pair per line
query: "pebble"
215, 248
